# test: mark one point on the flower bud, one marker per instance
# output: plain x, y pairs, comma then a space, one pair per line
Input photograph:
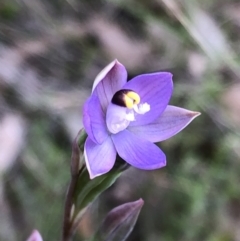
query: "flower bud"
119, 222
35, 236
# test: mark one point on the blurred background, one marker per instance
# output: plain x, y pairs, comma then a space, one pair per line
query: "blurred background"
50, 53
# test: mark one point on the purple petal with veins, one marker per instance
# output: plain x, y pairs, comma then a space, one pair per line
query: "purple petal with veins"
154, 89
172, 121
109, 81
138, 152
94, 120
99, 158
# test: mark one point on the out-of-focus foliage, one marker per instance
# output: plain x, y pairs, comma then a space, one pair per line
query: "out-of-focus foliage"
50, 53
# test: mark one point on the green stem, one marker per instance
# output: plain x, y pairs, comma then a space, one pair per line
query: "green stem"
82, 191
76, 169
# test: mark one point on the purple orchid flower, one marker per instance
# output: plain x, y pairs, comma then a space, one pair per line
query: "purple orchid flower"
128, 118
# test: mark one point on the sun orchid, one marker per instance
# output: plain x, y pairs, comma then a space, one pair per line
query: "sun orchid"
127, 118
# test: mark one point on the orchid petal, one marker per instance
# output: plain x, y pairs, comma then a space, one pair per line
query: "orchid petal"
138, 152
172, 121
116, 118
154, 89
109, 81
99, 158
102, 74
94, 120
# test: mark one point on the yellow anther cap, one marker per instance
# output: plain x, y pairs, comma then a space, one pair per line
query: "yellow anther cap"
134, 96
126, 98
